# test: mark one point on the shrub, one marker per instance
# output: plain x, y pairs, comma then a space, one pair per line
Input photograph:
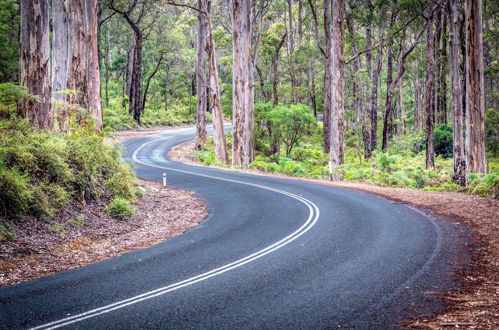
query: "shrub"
443, 140
120, 207
492, 131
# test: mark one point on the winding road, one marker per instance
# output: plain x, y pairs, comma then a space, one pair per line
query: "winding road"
273, 253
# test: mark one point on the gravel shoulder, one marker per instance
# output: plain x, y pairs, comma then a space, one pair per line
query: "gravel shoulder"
476, 303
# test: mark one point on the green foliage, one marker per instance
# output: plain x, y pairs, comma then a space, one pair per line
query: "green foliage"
486, 185
79, 221
492, 131
41, 172
9, 40
119, 208
282, 124
5, 233
116, 117
443, 140
416, 142
59, 228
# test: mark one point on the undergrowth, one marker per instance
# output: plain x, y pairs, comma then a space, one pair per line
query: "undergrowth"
402, 166
44, 171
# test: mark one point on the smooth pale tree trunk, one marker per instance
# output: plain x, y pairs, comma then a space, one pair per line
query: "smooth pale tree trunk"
430, 106
327, 76
94, 90
60, 49
201, 133
241, 90
217, 116
475, 90
459, 161
76, 59
35, 71
337, 89
357, 85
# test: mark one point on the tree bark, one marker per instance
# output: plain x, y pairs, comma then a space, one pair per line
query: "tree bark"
373, 107
60, 49
387, 123
241, 28
337, 89
459, 161
94, 90
475, 90
327, 76
402, 126
357, 85
217, 116
202, 97
366, 120
430, 117
35, 62
442, 78
83, 73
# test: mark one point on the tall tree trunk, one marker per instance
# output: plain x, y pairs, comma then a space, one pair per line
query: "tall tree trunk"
241, 31
337, 89
275, 71
94, 90
135, 96
357, 84
475, 90
442, 79
129, 71
430, 117
327, 76
390, 87
373, 104
265, 92
107, 65
402, 126
217, 116
290, 49
83, 68
60, 49
459, 161
419, 106
35, 62
367, 121
201, 133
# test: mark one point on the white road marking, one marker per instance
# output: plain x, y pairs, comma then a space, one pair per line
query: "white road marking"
311, 220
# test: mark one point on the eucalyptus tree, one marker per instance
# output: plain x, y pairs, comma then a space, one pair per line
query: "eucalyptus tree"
140, 17
35, 71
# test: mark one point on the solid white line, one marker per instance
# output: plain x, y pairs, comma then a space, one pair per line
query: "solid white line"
311, 220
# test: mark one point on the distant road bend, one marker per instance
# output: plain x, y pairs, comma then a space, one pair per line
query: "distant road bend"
272, 253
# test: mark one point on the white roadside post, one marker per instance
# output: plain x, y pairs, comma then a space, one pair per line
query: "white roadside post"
164, 180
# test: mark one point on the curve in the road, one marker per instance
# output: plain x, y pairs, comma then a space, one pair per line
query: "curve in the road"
263, 258
309, 223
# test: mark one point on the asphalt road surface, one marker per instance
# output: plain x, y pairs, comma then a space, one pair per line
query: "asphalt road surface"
272, 254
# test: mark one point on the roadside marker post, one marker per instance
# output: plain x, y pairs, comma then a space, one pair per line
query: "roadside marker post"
164, 180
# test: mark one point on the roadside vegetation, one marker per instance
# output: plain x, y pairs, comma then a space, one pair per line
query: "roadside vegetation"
289, 142
43, 172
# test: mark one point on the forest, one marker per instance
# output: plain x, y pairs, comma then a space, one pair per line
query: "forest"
400, 93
